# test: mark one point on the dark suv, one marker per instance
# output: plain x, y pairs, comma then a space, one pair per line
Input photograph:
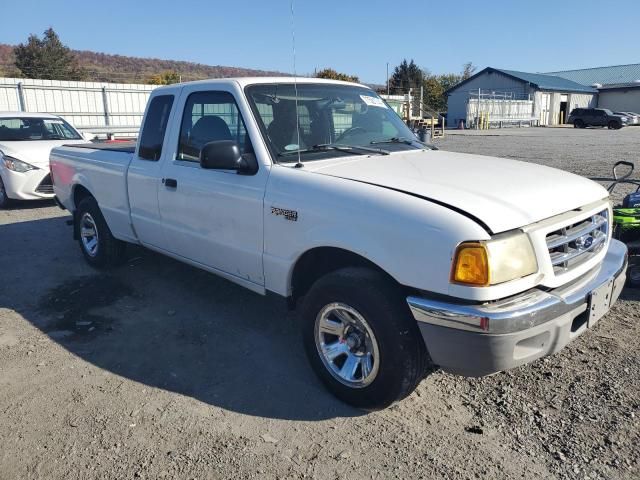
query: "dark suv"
596, 117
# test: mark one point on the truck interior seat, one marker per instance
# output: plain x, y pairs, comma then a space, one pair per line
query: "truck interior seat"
207, 129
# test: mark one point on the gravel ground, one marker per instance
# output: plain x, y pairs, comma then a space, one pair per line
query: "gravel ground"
158, 370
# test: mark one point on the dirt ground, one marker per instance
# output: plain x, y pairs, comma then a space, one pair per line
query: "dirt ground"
159, 370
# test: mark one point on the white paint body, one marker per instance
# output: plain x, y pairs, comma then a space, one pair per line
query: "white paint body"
405, 212
23, 185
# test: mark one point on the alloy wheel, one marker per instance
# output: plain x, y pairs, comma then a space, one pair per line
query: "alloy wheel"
89, 234
347, 345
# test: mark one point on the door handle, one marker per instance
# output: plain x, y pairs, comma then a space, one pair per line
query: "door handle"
170, 182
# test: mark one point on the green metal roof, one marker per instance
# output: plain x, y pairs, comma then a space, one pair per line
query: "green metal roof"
614, 75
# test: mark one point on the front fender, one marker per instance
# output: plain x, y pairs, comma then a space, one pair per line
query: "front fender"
410, 238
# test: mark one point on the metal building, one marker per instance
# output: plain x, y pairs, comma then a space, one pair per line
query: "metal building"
510, 97
619, 85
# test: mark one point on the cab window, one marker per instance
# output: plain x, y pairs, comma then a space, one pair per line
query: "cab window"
208, 117
155, 126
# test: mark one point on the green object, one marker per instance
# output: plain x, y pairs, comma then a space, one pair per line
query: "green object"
627, 217
626, 226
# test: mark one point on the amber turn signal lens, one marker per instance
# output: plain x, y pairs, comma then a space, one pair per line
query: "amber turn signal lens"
471, 265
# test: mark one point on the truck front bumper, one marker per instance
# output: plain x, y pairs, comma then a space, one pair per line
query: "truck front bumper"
476, 340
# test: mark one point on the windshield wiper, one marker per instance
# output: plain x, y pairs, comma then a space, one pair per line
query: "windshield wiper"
338, 147
405, 141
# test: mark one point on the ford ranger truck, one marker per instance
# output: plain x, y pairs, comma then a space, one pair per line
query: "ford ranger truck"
396, 255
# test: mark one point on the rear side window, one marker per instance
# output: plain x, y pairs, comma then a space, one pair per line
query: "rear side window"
155, 127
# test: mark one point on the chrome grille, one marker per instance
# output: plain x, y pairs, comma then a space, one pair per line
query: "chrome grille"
576, 243
45, 185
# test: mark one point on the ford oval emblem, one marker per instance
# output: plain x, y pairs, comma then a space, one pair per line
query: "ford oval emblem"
584, 242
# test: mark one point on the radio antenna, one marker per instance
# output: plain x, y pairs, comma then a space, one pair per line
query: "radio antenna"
295, 82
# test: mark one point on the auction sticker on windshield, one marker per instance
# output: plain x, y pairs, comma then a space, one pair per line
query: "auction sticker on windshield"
373, 101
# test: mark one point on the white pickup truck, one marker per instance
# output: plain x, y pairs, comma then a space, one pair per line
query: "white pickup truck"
398, 256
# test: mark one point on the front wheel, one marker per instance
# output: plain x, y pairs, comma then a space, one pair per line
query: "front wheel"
633, 276
614, 125
579, 124
361, 339
99, 247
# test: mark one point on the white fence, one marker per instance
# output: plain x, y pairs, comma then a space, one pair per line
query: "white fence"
100, 108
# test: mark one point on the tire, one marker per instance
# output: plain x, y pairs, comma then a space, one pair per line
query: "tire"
579, 124
613, 125
633, 276
102, 249
4, 198
398, 358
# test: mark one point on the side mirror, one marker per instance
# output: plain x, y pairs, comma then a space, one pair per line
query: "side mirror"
226, 155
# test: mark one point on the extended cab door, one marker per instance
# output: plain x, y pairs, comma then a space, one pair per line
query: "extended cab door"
144, 174
213, 217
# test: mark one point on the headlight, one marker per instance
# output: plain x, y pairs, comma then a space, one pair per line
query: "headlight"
17, 165
503, 258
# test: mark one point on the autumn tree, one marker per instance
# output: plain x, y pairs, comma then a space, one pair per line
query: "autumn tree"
436, 86
165, 78
47, 58
331, 74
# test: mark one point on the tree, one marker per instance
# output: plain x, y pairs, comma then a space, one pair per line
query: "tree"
408, 76
405, 76
331, 74
436, 86
468, 69
47, 58
165, 78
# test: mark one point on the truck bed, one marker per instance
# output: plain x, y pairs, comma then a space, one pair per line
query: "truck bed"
101, 168
124, 147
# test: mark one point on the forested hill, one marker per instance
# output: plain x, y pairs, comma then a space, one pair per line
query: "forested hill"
102, 67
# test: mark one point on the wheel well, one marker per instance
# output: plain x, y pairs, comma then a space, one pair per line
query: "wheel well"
319, 261
79, 194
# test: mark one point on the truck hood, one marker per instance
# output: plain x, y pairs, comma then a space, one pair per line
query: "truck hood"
502, 194
34, 152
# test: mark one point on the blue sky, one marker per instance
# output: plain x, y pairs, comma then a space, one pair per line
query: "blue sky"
357, 37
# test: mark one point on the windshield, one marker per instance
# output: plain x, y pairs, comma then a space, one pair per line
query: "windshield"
331, 118
33, 128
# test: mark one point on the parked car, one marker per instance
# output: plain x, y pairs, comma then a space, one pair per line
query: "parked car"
25, 142
596, 117
395, 254
634, 118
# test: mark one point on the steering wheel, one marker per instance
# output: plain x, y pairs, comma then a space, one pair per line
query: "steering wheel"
351, 131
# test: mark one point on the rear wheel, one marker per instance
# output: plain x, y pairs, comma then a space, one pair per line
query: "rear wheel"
4, 199
99, 247
361, 339
578, 124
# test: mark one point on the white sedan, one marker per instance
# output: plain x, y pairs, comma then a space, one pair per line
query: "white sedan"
25, 142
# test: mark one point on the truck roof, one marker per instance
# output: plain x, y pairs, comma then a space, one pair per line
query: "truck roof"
244, 81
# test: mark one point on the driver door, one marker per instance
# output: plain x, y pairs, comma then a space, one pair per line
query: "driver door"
213, 217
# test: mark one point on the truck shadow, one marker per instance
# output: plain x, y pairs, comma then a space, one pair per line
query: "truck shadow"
30, 204
164, 324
